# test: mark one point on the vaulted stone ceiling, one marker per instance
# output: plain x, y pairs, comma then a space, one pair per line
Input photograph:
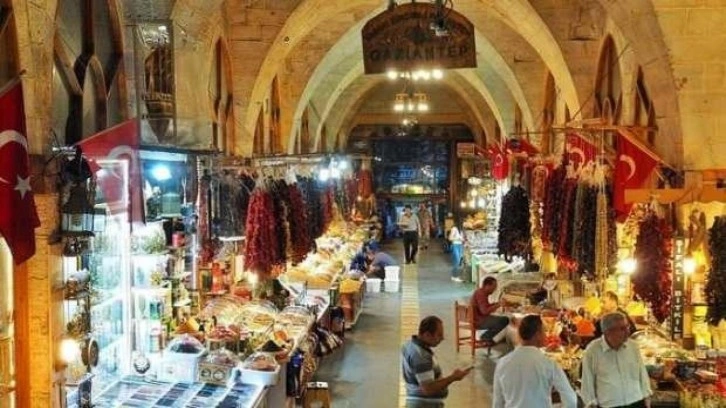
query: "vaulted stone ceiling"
313, 48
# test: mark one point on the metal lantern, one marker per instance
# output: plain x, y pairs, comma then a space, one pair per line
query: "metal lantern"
77, 213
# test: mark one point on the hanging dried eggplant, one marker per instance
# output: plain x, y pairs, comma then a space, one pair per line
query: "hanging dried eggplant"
514, 225
716, 285
652, 280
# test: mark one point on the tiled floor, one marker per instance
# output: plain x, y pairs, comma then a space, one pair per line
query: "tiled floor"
366, 372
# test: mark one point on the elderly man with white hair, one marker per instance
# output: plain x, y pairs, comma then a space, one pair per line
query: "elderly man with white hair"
613, 372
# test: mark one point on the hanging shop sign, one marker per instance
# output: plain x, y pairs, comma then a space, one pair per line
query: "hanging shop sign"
416, 36
679, 287
469, 150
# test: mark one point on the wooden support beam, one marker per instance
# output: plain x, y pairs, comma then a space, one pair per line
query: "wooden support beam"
703, 194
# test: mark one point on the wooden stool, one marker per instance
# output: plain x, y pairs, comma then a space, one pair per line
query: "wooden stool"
317, 392
465, 331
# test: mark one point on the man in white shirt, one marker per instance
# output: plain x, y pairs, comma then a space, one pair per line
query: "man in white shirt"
613, 373
525, 377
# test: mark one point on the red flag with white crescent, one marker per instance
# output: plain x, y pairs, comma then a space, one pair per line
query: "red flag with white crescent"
632, 169
579, 151
500, 164
18, 215
120, 142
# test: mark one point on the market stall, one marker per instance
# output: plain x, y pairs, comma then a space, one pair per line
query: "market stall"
229, 293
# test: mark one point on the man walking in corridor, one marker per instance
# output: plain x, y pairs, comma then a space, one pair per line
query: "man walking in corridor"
411, 228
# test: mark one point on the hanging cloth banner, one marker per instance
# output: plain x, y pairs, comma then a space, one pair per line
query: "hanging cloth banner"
18, 215
632, 169
579, 151
415, 36
120, 142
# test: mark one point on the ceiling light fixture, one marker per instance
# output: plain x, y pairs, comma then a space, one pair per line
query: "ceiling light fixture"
417, 75
418, 102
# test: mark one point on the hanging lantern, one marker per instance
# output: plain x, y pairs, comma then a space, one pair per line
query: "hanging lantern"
77, 213
400, 102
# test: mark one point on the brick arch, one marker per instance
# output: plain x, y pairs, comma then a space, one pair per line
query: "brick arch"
518, 14
353, 87
494, 80
636, 23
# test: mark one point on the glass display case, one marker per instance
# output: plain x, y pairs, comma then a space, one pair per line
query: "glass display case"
95, 296
160, 290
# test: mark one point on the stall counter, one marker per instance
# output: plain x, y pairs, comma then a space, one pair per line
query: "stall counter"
133, 391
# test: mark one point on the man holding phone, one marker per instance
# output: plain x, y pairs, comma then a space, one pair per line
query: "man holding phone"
426, 387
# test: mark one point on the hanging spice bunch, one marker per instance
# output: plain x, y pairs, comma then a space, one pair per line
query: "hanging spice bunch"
312, 195
281, 202
261, 247
716, 285
586, 231
652, 280
328, 199
564, 237
203, 207
248, 186
298, 220
551, 212
365, 183
514, 225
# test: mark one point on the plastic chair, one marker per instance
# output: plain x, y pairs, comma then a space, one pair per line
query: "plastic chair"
464, 321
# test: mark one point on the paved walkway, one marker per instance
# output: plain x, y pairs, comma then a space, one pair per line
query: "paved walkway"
366, 372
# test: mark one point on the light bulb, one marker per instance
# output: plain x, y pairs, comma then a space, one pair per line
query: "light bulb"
628, 265
324, 174
69, 350
423, 107
398, 107
689, 266
392, 74
161, 172
410, 106
437, 74
463, 204
481, 203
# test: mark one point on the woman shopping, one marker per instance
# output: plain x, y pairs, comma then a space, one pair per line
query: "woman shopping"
456, 240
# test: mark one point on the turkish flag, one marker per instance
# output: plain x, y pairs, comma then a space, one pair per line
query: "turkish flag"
18, 215
120, 142
632, 169
579, 151
500, 163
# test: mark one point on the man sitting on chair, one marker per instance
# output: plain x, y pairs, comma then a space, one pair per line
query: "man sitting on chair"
484, 317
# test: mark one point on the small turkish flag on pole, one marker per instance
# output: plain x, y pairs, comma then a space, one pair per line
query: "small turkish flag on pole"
18, 215
632, 169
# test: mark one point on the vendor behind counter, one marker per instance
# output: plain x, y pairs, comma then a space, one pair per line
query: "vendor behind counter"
379, 261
